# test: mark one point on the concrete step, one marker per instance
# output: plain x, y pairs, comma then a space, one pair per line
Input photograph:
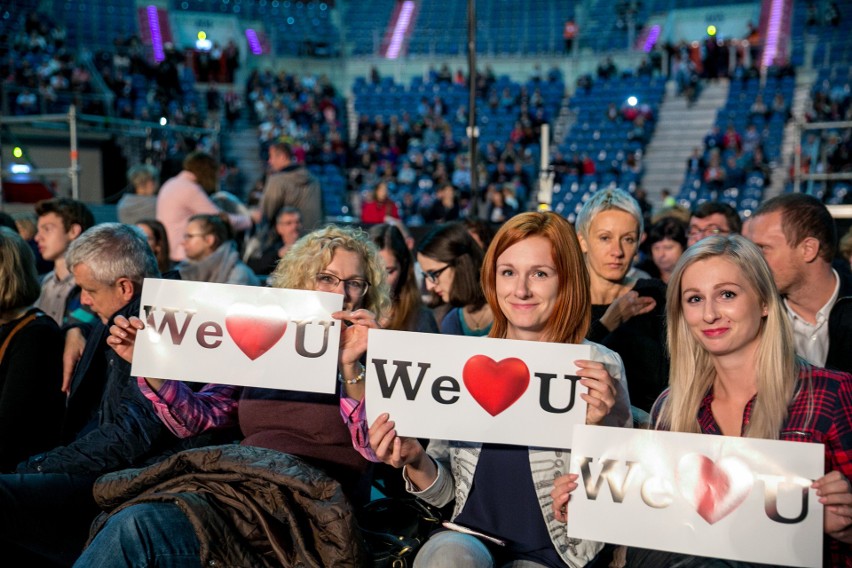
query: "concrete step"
680, 128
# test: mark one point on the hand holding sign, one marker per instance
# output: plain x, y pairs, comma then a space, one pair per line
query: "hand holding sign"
353, 338
601, 397
561, 493
834, 491
122, 339
353, 345
397, 451
122, 336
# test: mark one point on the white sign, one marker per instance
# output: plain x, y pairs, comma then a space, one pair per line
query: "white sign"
475, 389
740, 499
238, 335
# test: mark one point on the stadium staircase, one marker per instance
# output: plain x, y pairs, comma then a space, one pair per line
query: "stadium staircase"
680, 128
801, 97
241, 145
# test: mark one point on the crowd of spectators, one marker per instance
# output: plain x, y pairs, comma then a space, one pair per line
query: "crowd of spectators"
302, 109
418, 152
149, 91
39, 73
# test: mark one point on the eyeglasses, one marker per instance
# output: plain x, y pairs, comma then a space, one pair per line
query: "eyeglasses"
329, 282
707, 231
432, 275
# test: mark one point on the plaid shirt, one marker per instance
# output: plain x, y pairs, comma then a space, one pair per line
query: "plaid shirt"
188, 413
825, 418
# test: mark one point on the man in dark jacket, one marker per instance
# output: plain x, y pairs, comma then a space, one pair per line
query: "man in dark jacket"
798, 238
290, 184
47, 506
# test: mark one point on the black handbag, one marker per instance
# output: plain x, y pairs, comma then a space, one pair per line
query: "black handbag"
394, 529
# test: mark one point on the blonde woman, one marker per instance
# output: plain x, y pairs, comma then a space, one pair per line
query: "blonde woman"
734, 372
276, 425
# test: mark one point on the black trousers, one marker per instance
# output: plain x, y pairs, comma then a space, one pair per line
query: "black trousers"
45, 518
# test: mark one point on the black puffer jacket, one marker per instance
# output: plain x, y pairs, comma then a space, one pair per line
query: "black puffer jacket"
840, 328
109, 424
250, 507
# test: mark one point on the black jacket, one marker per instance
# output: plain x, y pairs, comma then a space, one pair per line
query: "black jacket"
840, 327
109, 424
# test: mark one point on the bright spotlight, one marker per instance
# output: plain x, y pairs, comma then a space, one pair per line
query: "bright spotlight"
632, 101
163, 121
711, 30
17, 152
202, 35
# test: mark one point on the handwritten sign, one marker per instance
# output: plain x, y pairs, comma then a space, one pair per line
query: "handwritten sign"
474, 388
238, 335
740, 499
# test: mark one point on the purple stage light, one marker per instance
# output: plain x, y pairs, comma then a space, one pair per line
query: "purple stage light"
156, 36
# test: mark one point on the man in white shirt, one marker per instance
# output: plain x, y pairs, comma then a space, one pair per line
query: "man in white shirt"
798, 238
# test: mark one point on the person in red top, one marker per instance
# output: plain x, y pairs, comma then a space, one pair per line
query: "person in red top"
380, 208
569, 32
734, 372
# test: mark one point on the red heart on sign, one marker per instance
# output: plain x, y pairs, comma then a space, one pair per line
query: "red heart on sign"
255, 329
714, 489
495, 386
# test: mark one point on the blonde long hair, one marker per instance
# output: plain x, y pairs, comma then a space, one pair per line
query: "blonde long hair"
313, 252
691, 373
572, 313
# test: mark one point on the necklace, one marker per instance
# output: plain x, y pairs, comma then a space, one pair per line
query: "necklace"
480, 322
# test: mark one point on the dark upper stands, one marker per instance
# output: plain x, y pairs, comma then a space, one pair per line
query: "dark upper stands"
297, 28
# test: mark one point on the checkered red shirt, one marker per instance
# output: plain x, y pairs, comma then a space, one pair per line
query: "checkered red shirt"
830, 423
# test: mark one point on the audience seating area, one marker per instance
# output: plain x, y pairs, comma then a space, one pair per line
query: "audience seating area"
433, 116
826, 151
758, 135
599, 150
608, 151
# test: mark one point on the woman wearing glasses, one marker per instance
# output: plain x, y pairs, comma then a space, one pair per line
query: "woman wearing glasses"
450, 260
407, 312
627, 314
273, 423
211, 253
536, 284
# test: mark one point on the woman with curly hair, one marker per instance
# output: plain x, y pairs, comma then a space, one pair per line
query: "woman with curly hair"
276, 425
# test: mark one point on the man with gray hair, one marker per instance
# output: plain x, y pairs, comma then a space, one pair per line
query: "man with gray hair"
109, 425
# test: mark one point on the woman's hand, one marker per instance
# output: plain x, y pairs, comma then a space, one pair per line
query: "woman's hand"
625, 307
561, 492
602, 390
353, 345
393, 450
835, 493
398, 451
353, 338
122, 336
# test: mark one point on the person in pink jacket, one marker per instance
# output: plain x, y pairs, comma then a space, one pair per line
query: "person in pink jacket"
188, 194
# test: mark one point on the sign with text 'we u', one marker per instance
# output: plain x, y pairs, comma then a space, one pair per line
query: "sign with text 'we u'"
238, 335
475, 389
740, 499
